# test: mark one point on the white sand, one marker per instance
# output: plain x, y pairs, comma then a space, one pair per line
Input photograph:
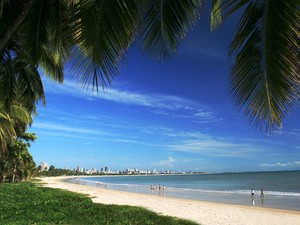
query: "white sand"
205, 213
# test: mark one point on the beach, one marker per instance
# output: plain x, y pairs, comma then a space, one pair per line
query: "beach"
205, 213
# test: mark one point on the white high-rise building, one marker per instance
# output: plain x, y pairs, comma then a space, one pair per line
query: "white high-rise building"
44, 166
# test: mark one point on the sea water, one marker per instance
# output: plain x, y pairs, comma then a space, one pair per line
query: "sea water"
281, 189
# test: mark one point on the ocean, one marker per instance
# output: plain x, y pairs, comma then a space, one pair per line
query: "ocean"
281, 189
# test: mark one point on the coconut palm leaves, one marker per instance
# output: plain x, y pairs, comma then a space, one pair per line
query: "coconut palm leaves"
8, 123
7, 131
19, 80
264, 79
103, 31
97, 34
14, 13
15, 159
164, 23
91, 37
42, 36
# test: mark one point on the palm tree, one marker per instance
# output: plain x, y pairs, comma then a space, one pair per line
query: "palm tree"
6, 168
84, 35
22, 165
8, 124
15, 160
20, 80
28, 170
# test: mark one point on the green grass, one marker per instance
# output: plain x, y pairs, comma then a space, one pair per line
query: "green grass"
26, 203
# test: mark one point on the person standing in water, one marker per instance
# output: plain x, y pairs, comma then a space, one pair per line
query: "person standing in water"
252, 193
252, 197
262, 195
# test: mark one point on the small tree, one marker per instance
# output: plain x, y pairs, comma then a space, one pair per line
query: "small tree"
51, 168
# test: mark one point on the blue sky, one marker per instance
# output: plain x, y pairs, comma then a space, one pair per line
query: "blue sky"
172, 116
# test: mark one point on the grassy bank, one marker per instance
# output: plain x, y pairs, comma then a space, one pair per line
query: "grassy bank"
26, 203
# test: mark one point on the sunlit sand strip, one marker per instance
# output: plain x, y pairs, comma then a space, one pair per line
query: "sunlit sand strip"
205, 213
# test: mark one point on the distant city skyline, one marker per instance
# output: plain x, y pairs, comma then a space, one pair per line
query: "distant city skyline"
107, 170
178, 116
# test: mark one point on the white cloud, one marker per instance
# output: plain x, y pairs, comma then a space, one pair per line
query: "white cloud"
79, 119
169, 132
68, 129
213, 147
203, 48
280, 164
291, 133
159, 101
168, 163
204, 143
153, 100
64, 131
167, 105
203, 114
191, 160
199, 116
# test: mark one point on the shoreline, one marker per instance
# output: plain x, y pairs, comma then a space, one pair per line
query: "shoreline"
273, 199
206, 213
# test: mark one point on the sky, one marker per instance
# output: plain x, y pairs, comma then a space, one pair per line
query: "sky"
176, 115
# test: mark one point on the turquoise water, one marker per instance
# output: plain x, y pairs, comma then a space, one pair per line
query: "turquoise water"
281, 189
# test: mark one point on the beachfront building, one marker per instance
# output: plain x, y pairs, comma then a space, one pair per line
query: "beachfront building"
91, 171
79, 169
44, 166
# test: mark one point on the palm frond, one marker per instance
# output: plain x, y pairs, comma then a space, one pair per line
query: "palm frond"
20, 114
51, 64
34, 30
20, 82
221, 9
103, 31
1, 7
228, 7
43, 33
215, 14
60, 41
7, 131
14, 13
265, 80
164, 23
31, 88
8, 80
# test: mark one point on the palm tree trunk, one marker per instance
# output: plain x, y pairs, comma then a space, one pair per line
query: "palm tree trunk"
15, 23
14, 172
